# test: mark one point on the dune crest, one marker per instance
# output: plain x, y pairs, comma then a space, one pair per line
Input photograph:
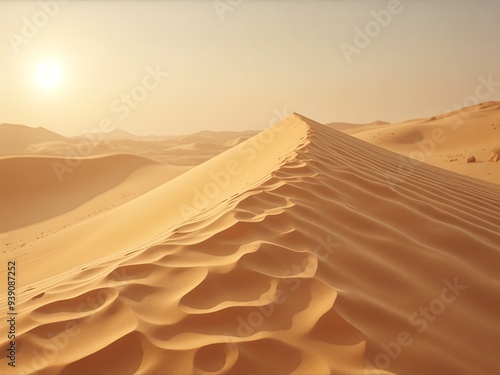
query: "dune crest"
292, 252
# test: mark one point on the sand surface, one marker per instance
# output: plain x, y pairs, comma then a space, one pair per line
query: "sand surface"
299, 250
445, 140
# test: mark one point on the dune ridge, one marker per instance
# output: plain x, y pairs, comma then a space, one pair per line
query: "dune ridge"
307, 261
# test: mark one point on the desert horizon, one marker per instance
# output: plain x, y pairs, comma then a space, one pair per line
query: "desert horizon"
249, 187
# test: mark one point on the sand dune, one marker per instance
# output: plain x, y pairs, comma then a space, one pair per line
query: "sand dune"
38, 203
40, 188
445, 140
349, 128
294, 252
183, 150
17, 139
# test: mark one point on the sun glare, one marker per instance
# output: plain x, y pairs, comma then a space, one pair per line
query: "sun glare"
49, 75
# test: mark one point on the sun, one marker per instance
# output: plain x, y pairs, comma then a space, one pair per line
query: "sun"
49, 75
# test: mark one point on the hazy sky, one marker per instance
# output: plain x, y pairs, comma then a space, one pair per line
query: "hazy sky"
229, 66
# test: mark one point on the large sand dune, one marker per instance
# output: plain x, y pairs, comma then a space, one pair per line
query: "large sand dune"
295, 251
39, 188
446, 141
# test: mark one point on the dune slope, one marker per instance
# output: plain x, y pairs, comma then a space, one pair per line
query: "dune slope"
17, 139
39, 188
446, 140
306, 261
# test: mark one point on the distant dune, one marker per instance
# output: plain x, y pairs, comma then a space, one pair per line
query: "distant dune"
34, 192
445, 140
347, 127
183, 150
16, 139
300, 250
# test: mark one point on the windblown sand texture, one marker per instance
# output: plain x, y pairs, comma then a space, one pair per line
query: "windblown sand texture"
445, 140
304, 258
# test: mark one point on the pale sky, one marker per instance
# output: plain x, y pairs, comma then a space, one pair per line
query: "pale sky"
230, 70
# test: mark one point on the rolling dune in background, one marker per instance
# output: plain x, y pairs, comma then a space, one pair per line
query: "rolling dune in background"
184, 150
34, 191
445, 141
295, 251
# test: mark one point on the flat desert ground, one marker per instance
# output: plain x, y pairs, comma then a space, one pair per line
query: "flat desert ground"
302, 249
